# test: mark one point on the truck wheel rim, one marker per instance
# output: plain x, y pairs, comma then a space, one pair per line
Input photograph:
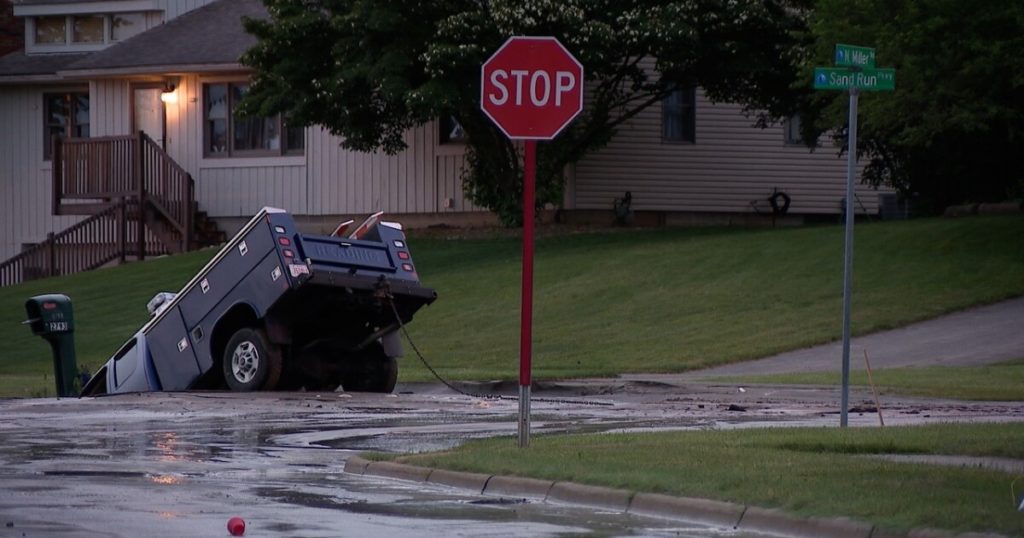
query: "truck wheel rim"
245, 360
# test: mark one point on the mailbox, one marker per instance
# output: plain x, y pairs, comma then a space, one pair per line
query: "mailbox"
51, 317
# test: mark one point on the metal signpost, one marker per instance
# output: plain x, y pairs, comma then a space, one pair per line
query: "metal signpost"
531, 88
856, 73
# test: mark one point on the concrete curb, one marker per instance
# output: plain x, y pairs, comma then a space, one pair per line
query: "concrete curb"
356, 465
400, 471
704, 511
595, 496
515, 486
708, 512
930, 533
455, 479
779, 522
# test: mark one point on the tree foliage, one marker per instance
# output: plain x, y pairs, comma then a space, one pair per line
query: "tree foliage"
369, 70
953, 130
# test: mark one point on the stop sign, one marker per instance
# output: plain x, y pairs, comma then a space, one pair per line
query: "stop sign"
531, 88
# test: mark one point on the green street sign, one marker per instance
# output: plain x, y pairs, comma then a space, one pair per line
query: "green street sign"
838, 78
852, 56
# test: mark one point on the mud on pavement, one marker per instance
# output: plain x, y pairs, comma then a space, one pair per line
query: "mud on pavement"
182, 464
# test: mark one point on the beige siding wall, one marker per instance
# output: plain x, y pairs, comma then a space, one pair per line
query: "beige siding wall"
730, 165
418, 180
242, 191
25, 183
110, 108
174, 8
327, 180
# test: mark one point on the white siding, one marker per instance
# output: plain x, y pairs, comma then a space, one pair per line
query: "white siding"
174, 8
730, 164
417, 180
327, 180
25, 181
243, 191
110, 108
184, 125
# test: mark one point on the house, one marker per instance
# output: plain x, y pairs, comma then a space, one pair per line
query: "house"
95, 73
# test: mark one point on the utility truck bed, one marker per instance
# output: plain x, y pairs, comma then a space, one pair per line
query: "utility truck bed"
277, 309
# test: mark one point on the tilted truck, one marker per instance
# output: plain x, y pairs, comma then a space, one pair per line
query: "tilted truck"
278, 309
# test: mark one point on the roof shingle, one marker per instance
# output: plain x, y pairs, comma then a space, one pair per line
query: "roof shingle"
211, 35
18, 64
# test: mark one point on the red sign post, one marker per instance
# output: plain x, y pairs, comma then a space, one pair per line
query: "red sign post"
531, 88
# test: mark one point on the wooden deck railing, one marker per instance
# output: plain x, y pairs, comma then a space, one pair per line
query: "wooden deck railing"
89, 173
94, 242
138, 201
167, 187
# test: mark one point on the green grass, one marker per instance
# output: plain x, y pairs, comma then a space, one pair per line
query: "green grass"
995, 382
36, 385
671, 300
810, 472
663, 300
109, 306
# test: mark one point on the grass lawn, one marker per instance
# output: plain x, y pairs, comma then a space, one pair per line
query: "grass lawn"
811, 472
994, 382
662, 300
670, 300
109, 306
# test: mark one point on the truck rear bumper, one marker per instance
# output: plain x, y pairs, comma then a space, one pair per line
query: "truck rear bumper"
404, 289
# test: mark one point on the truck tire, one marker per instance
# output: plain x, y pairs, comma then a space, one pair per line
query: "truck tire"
372, 371
251, 362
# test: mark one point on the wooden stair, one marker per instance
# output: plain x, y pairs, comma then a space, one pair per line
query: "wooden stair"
137, 201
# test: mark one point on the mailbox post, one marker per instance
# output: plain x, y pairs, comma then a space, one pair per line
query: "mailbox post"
51, 317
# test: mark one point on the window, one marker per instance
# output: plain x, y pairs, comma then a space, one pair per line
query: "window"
451, 131
125, 25
66, 115
51, 30
86, 32
791, 130
227, 135
87, 29
679, 116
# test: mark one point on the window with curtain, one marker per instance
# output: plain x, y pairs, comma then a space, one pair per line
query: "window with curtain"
679, 118
85, 32
451, 131
791, 130
66, 115
227, 135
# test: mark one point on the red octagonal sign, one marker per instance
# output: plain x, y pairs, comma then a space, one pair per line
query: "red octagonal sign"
531, 88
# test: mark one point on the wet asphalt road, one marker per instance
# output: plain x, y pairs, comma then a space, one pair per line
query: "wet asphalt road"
176, 464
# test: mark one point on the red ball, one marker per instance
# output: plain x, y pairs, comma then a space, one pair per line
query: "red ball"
236, 526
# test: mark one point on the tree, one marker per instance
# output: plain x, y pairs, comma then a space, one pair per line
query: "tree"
953, 130
368, 70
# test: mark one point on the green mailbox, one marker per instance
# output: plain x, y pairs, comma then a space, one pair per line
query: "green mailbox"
50, 316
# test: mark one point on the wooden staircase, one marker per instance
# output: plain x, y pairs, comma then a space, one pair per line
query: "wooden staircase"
139, 203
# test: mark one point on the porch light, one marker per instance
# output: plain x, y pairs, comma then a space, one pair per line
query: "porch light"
168, 95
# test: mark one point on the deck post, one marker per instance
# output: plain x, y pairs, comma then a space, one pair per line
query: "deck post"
189, 193
51, 255
56, 150
122, 230
140, 185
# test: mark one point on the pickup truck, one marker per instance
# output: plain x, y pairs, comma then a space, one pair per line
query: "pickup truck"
278, 309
